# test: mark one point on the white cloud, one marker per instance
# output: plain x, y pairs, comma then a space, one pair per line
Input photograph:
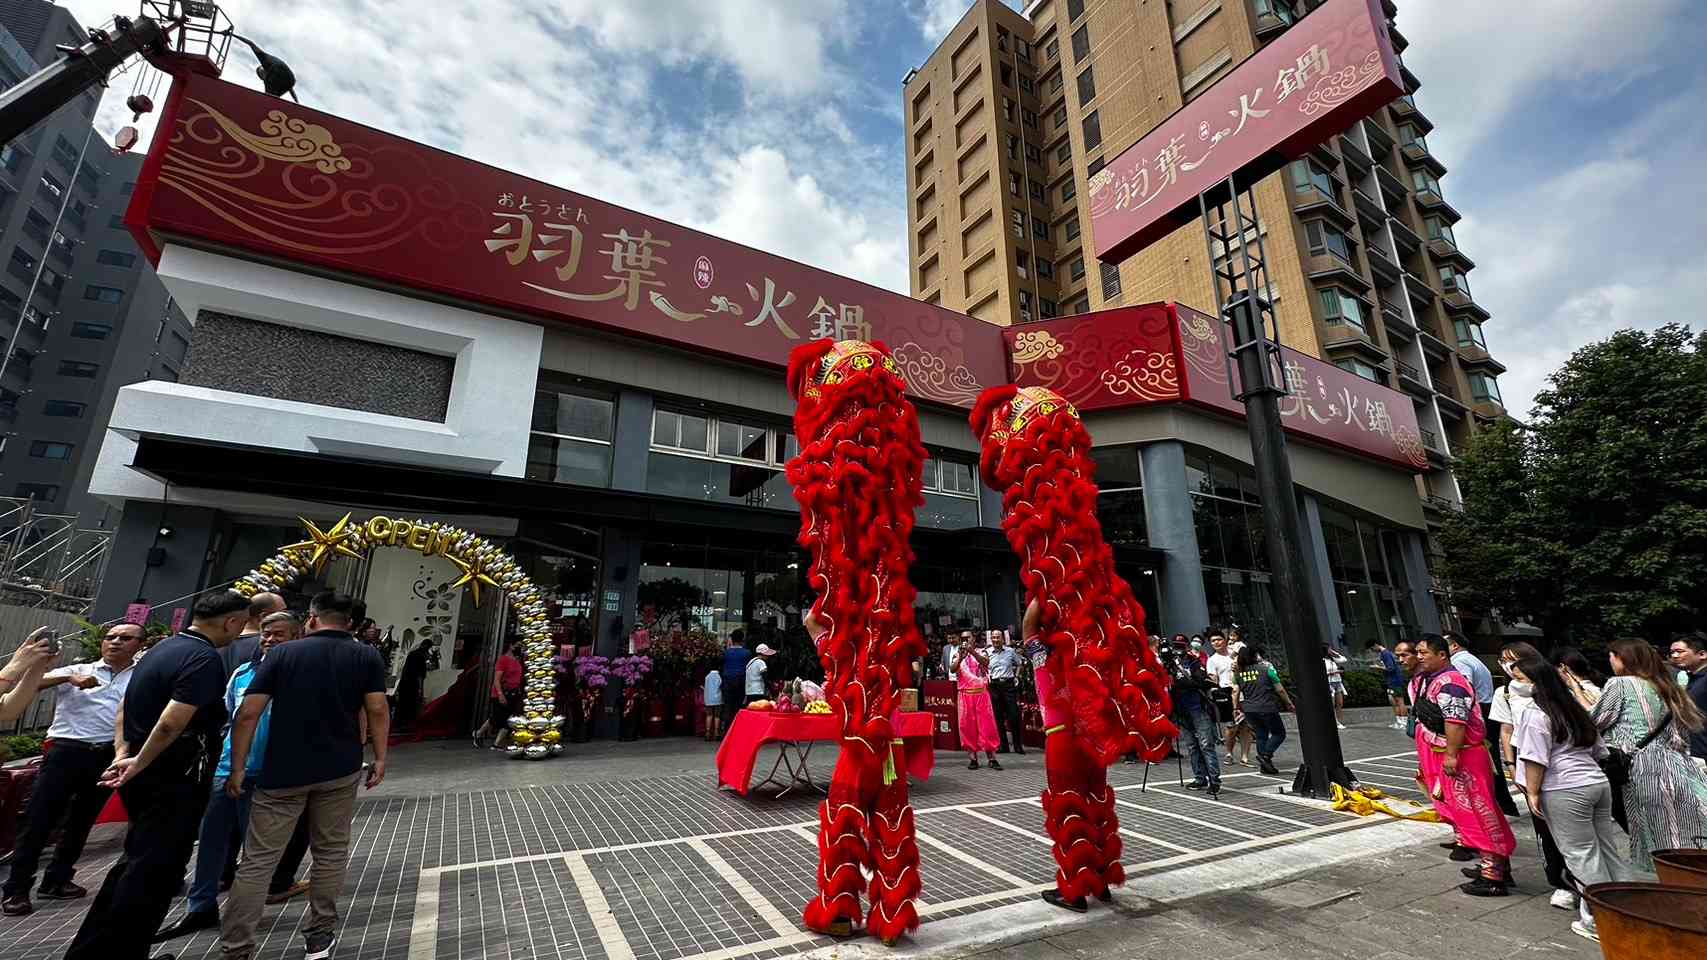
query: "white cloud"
734, 117
1479, 61
937, 17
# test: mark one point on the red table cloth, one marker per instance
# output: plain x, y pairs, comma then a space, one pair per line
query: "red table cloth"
753, 729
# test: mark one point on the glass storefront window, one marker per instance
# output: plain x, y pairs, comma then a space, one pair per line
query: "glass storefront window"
947, 512
697, 478
571, 438
1121, 513
1117, 468
562, 460
951, 494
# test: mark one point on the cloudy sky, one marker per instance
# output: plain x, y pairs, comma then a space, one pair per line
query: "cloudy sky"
1575, 132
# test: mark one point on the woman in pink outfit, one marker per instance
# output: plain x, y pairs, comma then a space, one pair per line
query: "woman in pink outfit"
971, 668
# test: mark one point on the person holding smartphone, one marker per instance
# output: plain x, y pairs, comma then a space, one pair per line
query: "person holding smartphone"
20, 679
79, 748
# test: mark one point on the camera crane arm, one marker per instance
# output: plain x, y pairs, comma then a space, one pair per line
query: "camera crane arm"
82, 67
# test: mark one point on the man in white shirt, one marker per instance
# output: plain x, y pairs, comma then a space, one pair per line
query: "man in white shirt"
1004, 690
80, 747
756, 672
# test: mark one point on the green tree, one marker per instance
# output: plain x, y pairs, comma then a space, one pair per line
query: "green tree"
1592, 521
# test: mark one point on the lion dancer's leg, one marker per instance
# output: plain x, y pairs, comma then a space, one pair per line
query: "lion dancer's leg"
895, 884
843, 822
1101, 797
1073, 821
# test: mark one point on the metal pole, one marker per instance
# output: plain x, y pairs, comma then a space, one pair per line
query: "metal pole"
1300, 631
41, 263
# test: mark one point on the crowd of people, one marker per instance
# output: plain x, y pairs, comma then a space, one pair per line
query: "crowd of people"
240, 739
1611, 770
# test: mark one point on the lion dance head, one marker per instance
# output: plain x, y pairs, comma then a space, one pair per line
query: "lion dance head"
1036, 450
858, 479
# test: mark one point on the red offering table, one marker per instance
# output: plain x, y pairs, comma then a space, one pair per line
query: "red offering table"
796, 733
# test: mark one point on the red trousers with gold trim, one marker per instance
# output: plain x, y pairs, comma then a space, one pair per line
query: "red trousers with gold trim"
1078, 811
866, 823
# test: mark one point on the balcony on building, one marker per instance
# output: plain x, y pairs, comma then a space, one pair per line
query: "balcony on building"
1429, 201
18, 372
1412, 84
1393, 317
1405, 108
1369, 209
1381, 142
1455, 292
1432, 343
1447, 399
1421, 294
1411, 379
1355, 156
1393, 189
1272, 17
1399, 41
1440, 505
1382, 263
1416, 153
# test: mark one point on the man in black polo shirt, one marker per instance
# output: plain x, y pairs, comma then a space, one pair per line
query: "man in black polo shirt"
317, 687
168, 738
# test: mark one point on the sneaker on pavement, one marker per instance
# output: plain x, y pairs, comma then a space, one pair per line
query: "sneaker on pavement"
1197, 784
1563, 899
61, 891
320, 946
1585, 931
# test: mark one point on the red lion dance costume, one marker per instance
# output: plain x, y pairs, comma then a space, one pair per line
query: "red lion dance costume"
858, 482
1102, 689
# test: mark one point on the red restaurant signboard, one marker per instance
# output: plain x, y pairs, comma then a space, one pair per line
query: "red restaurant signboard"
1318, 78
238, 169
1168, 353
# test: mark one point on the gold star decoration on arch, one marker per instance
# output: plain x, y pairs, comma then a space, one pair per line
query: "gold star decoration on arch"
473, 575
323, 545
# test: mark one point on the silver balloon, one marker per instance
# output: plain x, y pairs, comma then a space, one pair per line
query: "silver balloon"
537, 751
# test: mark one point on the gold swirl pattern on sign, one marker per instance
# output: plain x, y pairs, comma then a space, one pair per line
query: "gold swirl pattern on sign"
1033, 345
1145, 374
1335, 88
286, 139
1410, 445
1201, 344
931, 377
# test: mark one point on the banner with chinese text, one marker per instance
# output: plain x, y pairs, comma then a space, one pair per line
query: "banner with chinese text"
235, 168
1323, 74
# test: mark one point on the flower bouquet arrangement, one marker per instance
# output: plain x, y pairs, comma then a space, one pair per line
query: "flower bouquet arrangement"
592, 675
633, 672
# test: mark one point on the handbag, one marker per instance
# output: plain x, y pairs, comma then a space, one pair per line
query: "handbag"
1618, 762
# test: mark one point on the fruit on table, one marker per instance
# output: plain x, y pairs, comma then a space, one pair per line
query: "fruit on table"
817, 707
761, 705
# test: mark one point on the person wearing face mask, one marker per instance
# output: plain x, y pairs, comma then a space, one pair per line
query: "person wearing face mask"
1510, 703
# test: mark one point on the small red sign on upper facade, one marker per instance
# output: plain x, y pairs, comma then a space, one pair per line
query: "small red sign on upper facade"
702, 273
1323, 74
1168, 353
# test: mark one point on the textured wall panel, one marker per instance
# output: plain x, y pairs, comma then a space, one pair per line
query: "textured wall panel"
289, 363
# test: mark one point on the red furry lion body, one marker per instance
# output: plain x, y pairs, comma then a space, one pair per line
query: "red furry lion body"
857, 480
1109, 694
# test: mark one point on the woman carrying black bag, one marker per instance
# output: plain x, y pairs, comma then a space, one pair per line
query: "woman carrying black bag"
1645, 715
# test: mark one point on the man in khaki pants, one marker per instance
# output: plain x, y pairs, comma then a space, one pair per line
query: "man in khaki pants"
317, 686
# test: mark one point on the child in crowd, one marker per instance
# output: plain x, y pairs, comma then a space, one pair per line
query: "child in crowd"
713, 705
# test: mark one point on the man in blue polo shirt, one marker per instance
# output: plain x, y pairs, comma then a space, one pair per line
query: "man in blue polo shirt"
228, 815
316, 686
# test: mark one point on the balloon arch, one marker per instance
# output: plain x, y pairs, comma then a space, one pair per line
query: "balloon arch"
482, 564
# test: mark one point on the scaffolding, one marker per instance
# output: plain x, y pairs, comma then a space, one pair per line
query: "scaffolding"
47, 561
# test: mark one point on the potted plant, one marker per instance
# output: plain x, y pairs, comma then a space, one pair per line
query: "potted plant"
592, 675
633, 671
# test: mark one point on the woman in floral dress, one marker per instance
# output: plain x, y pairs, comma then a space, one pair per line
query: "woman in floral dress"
1666, 798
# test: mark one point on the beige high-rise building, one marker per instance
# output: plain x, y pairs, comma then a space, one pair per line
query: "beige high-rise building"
1014, 112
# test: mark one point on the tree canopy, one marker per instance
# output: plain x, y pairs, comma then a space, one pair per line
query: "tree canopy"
1591, 521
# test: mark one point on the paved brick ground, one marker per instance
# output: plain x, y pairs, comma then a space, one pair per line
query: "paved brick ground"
553, 860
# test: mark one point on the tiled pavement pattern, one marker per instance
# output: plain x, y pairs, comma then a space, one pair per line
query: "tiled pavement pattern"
667, 868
